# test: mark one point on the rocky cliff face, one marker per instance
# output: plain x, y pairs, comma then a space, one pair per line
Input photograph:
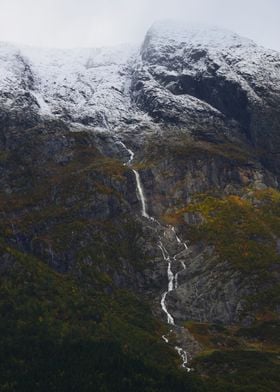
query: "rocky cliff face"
199, 109
208, 80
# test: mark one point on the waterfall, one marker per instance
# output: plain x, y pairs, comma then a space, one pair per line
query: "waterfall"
184, 357
172, 279
141, 193
131, 153
173, 284
170, 275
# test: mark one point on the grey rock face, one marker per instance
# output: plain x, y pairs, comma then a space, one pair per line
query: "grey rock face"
209, 291
173, 180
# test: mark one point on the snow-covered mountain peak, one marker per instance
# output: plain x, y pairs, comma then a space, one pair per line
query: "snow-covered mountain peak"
80, 57
180, 48
198, 35
184, 74
89, 86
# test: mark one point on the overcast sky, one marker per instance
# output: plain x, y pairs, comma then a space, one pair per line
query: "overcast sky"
72, 23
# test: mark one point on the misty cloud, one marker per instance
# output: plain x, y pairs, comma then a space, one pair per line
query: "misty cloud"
72, 23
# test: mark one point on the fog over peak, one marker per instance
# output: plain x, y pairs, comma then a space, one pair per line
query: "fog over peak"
91, 23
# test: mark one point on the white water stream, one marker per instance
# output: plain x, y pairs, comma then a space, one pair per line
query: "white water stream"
141, 194
172, 279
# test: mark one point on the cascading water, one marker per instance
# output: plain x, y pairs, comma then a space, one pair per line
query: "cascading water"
172, 279
140, 191
170, 275
173, 284
141, 194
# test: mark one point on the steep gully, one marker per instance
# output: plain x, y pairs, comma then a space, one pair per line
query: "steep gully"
172, 278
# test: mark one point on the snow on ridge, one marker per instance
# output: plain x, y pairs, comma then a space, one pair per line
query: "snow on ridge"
196, 34
82, 83
219, 43
86, 85
79, 56
91, 86
172, 46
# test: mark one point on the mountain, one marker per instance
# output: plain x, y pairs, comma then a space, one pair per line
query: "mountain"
140, 220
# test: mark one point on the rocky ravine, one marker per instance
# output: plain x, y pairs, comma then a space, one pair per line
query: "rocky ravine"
200, 110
